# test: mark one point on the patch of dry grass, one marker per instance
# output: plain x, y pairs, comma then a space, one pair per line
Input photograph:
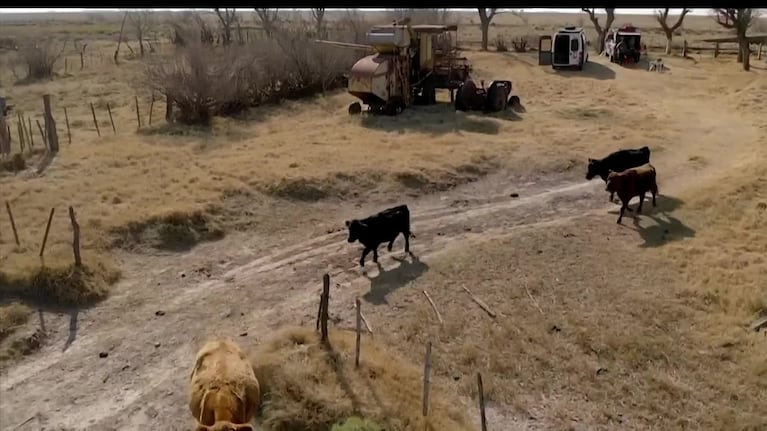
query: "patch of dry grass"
57, 282
310, 388
618, 341
12, 316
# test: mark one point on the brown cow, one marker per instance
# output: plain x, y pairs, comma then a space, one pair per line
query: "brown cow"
633, 182
224, 392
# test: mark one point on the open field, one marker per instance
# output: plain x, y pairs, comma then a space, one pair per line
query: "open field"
226, 230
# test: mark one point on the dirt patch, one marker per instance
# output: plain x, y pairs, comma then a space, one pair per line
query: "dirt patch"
176, 231
309, 387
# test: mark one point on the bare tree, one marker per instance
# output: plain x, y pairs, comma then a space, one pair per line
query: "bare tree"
355, 26
485, 17
269, 19
141, 21
319, 21
662, 17
423, 15
601, 31
739, 20
227, 19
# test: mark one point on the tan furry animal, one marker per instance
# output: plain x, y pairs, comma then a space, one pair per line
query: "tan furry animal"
224, 392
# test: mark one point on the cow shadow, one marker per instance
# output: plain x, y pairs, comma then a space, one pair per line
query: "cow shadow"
665, 227
388, 281
591, 69
438, 119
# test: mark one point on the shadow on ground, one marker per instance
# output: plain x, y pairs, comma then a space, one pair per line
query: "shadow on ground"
664, 228
388, 281
590, 70
438, 119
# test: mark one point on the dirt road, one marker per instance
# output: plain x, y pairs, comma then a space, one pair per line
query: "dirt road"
245, 287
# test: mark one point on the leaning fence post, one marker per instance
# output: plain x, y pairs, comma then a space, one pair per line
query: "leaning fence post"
52, 135
138, 114
95, 123
358, 305
426, 372
481, 391
109, 110
13, 223
151, 107
75, 237
5, 140
66, 118
47, 229
325, 303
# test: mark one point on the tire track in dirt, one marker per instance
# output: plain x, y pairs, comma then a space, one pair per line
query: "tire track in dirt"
281, 285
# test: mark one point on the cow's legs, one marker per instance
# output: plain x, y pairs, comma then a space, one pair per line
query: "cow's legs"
375, 255
654, 192
623, 208
407, 241
641, 201
612, 195
364, 254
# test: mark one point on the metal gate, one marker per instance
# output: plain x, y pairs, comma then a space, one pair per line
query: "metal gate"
544, 51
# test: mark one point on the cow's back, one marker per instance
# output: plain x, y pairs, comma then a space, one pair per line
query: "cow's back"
222, 369
387, 224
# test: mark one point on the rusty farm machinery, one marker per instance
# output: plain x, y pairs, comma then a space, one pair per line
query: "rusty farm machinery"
410, 63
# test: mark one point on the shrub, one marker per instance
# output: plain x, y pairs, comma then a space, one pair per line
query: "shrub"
204, 80
39, 59
500, 44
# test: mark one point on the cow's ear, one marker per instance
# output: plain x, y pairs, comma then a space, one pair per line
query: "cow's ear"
348, 223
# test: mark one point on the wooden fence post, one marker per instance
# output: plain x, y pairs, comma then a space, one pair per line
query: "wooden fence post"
5, 139
42, 133
66, 118
481, 391
325, 303
13, 223
138, 114
52, 135
95, 123
759, 51
716, 49
109, 110
151, 108
30, 133
426, 380
20, 126
75, 238
168, 108
684, 48
359, 333
47, 229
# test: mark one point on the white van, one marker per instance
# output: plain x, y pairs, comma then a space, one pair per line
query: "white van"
568, 48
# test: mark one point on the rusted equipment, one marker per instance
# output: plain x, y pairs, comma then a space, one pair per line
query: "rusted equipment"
410, 63
496, 97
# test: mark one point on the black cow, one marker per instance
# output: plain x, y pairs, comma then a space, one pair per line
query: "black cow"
618, 161
382, 227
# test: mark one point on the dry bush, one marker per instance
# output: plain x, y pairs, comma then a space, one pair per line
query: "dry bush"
422, 15
519, 44
309, 387
39, 58
204, 81
500, 44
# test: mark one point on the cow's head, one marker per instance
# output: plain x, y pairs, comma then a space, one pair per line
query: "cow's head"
593, 170
225, 426
355, 229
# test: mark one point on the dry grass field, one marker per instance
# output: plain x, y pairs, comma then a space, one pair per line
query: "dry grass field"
190, 232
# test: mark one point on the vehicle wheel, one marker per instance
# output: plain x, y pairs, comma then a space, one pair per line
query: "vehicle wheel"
496, 100
394, 107
514, 101
464, 96
355, 108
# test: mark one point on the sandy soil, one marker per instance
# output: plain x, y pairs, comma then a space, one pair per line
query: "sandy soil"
245, 286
